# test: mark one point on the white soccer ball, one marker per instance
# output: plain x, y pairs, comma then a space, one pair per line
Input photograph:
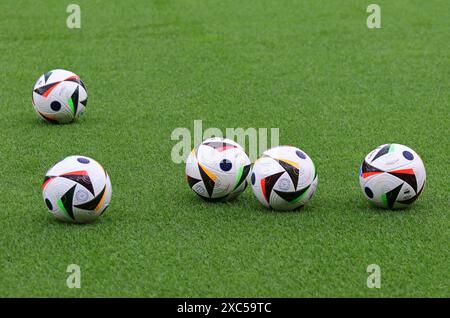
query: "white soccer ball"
217, 169
59, 96
284, 178
392, 176
77, 189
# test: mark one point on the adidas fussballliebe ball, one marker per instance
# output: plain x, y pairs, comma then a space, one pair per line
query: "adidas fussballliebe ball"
392, 176
77, 189
59, 96
217, 169
284, 178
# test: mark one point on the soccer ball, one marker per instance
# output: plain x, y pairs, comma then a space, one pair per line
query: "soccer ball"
284, 178
217, 169
392, 176
59, 96
77, 189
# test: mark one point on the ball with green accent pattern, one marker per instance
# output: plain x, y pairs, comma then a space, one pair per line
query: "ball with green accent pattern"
217, 169
77, 190
59, 96
392, 176
284, 178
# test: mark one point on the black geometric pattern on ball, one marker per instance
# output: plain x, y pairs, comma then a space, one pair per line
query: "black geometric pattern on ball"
392, 195
291, 170
408, 178
289, 196
269, 183
76, 80
46, 76
365, 167
92, 205
67, 200
192, 181
414, 198
41, 90
84, 180
207, 181
244, 175
74, 99
382, 152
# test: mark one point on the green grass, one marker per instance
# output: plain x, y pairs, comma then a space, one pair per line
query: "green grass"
311, 68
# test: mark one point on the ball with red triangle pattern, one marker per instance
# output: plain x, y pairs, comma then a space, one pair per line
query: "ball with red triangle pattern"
217, 169
59, 96
284, 178
77, 189
392, 176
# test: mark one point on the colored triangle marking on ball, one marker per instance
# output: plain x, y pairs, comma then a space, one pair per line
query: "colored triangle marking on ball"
392, 195
73, 101
292, 197
291, 168
368, 170
47, 181
81, 178
382, 152
409, 178
46, 89
414, 198
65, 203
192, 181
288, 162
402, 171
268, 183
94, 203
47, 75
209, 179
242, 175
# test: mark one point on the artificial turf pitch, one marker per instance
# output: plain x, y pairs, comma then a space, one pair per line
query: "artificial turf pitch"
333, 87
